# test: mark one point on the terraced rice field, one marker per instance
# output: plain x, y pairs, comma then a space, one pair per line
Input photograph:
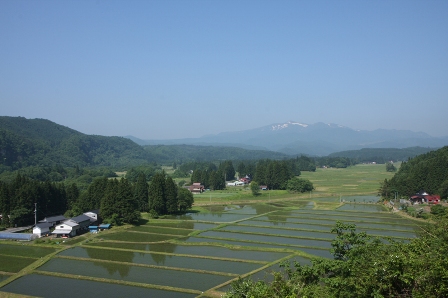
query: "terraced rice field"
194, 255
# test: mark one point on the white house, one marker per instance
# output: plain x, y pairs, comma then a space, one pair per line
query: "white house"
42, 229
68, 228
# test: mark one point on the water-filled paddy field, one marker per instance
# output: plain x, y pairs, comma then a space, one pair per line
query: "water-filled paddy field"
183, 256
54, 286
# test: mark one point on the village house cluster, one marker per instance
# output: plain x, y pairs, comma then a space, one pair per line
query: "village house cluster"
65, 228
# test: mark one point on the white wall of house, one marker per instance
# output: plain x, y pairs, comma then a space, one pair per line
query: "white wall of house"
41, 231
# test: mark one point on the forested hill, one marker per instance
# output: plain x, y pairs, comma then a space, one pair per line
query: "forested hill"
184, 153
427, 172
382, 155
39, 142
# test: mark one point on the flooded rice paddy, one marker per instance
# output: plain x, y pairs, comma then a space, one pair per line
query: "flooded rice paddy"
183, 256
53, 286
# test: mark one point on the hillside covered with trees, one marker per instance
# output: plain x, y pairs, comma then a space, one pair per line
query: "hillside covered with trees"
39, 142
381, 155
427, 172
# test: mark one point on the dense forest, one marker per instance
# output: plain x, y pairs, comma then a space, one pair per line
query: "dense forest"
427, 172
119, 201
39, 142
381, 155
167, 154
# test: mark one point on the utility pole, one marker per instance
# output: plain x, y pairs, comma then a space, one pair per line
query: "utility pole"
35, 214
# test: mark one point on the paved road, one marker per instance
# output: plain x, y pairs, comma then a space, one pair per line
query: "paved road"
15, 230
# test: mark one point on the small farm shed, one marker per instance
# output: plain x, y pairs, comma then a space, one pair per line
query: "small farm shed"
93, 229
104, 226
42, 229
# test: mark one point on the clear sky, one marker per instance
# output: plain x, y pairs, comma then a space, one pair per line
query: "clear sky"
174, 69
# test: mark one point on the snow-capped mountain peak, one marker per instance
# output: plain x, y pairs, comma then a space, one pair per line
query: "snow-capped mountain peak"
287, 124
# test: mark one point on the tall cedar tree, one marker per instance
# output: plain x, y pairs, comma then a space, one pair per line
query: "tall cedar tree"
127, 204
109, 201
157, 193
171, 195
141, 193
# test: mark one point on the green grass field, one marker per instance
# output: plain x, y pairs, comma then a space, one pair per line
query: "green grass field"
355, 180
363, 179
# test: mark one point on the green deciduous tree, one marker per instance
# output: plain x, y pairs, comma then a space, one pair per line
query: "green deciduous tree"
185, 199
390, 167
299, 185
255, 188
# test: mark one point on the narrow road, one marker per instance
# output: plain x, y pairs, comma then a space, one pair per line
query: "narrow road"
15, 230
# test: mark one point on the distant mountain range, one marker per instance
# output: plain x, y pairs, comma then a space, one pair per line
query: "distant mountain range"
319, 139
42, 143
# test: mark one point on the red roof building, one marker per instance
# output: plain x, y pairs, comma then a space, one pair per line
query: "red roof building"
196, 188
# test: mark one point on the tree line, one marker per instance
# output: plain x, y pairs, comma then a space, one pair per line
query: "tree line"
118, 200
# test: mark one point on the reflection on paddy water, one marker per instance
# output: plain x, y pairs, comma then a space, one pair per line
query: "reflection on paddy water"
268, 239
324, 228
272, 231
162, 260
323, 253
186, 224
3, 277
361, 199
362, 207
238, 243
137, 237
161, 230
254, 209
173, 278
267, 274
212, 217
359, 218
37, 285
323, 220
199, 250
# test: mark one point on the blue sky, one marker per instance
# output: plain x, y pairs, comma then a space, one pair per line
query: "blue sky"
174, 69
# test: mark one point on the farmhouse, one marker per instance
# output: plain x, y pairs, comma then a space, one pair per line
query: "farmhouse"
196, 188
423, 197
245, 180
68, 228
